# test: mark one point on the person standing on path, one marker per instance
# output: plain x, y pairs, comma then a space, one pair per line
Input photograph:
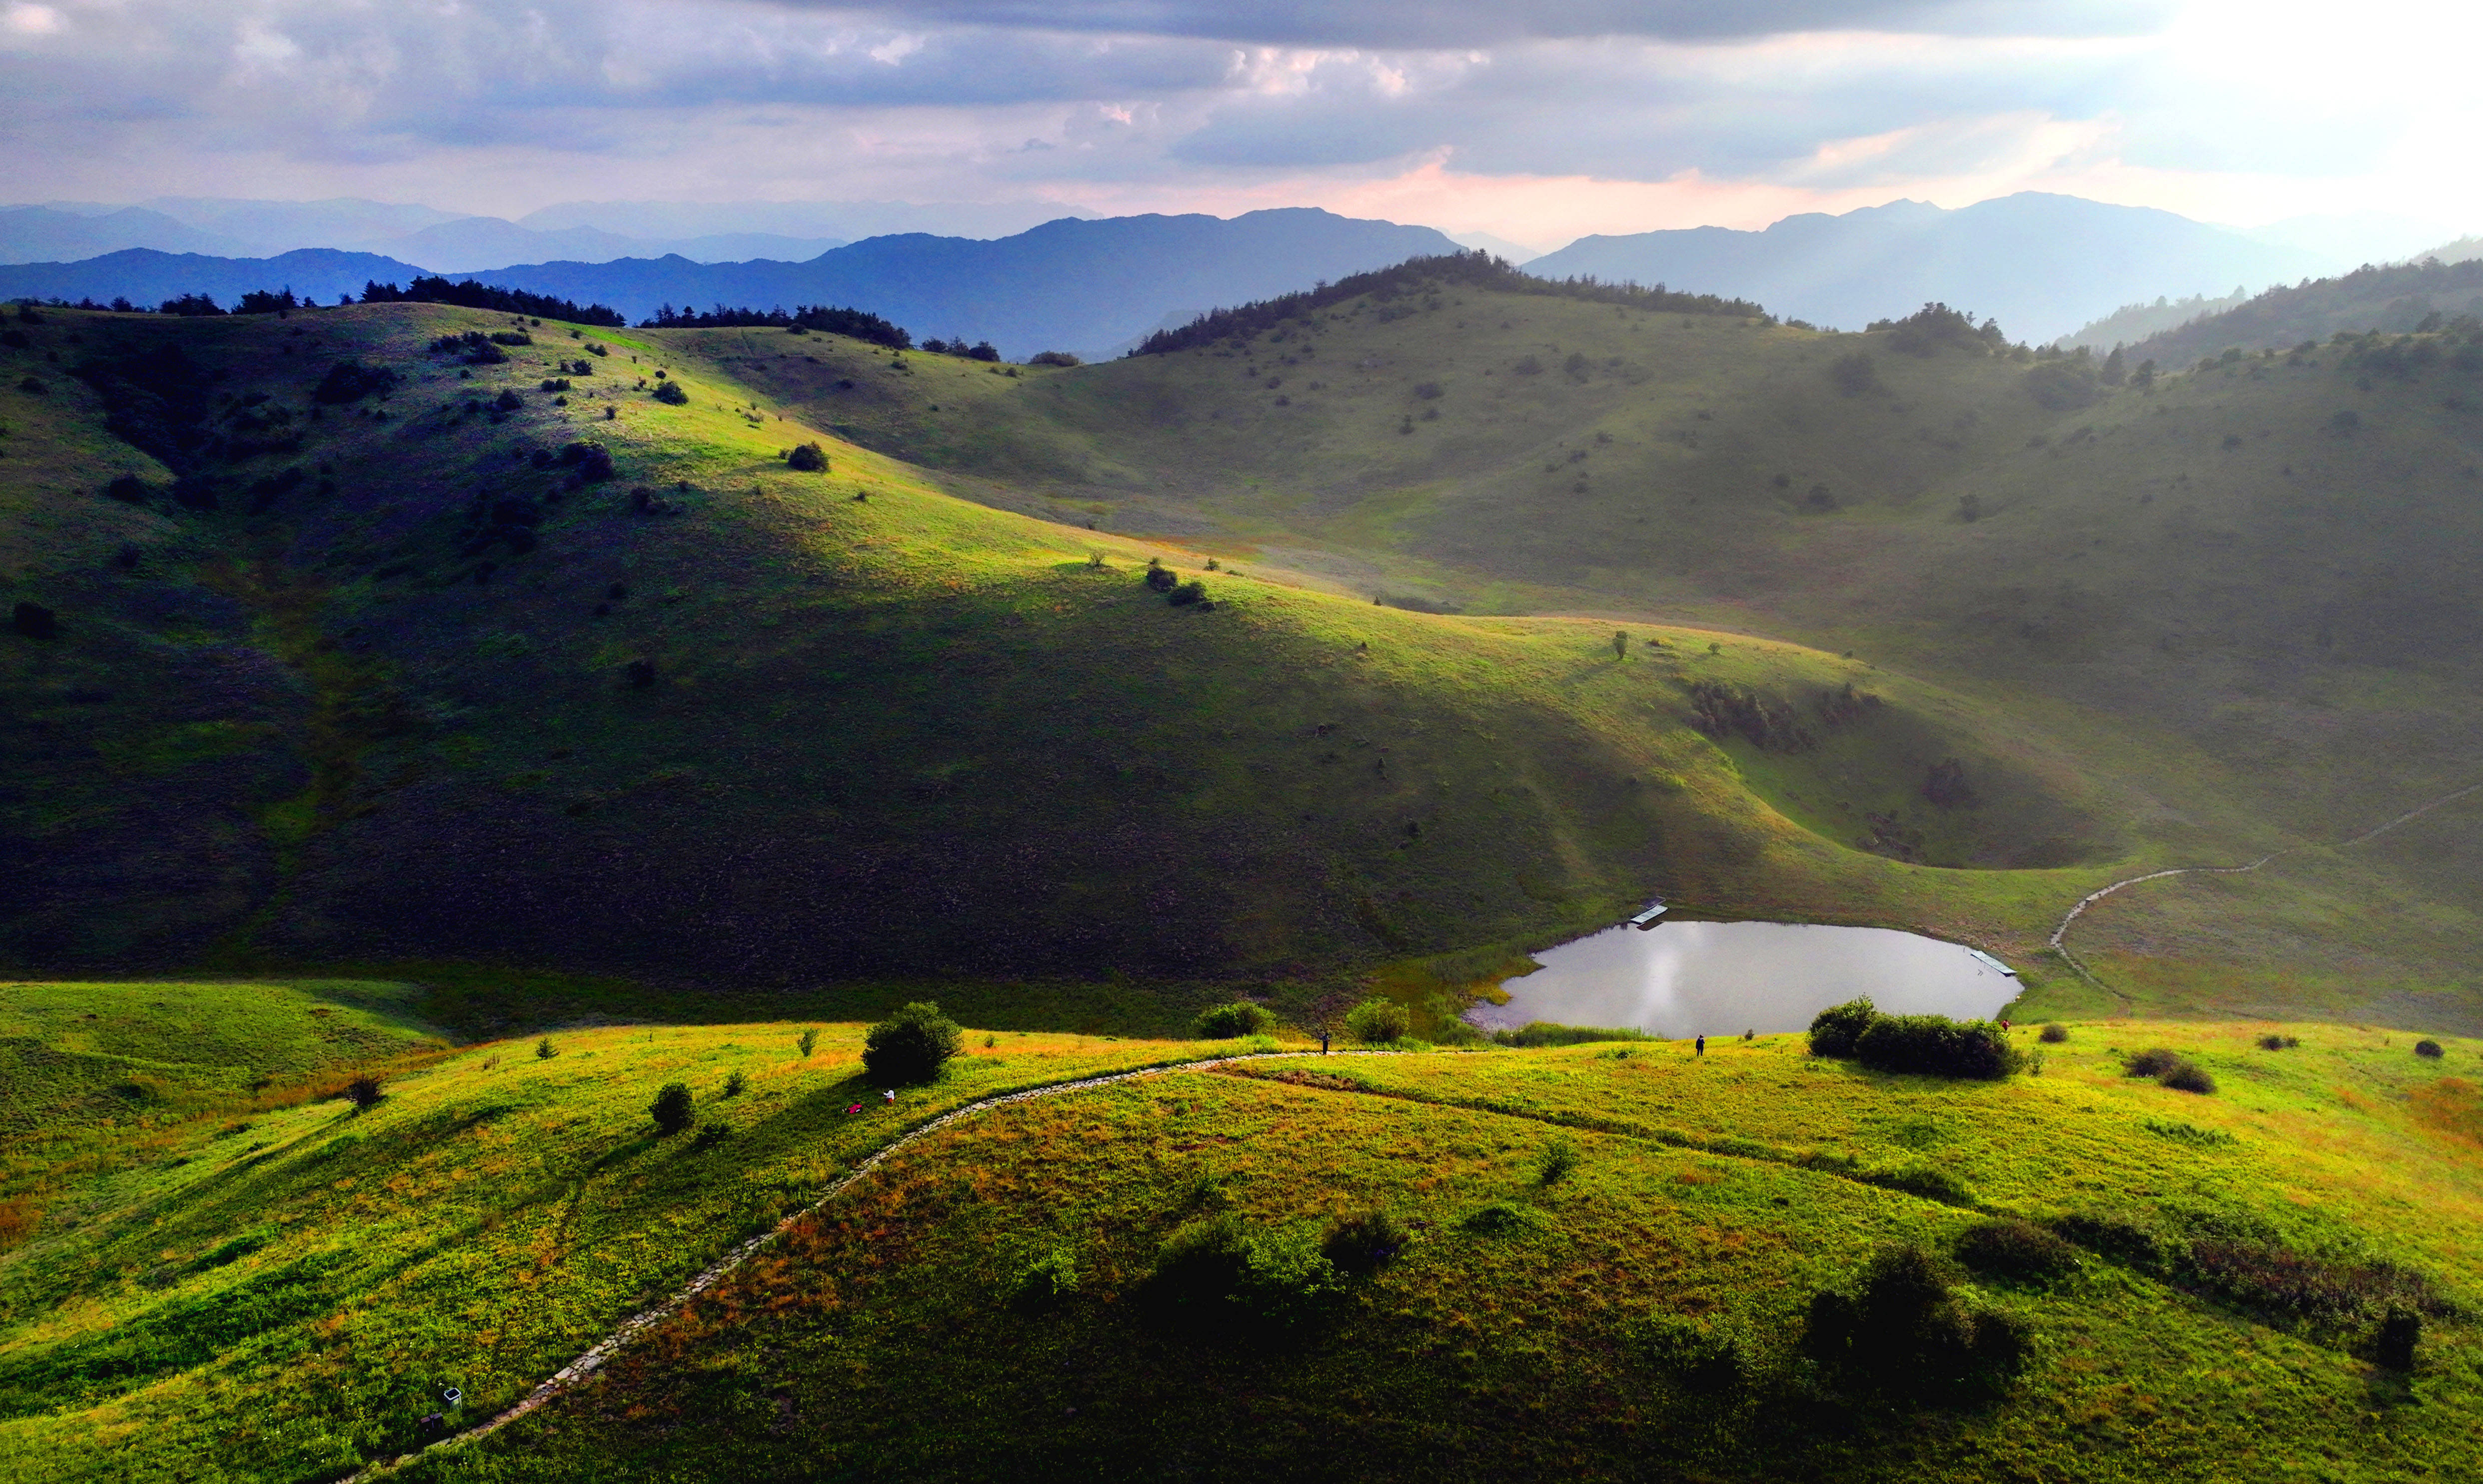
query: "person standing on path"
1322, 1042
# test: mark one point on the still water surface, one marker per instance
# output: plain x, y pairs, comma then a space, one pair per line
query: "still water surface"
1685, 979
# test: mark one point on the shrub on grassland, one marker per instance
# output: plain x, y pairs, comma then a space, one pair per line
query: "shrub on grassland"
2018, 1250
1377, 1021
912, 1044
1903, 1329
1222, 1269
1364, 1242
1242, 1017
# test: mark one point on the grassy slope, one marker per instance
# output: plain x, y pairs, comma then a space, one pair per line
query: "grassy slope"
2258, 626
263, 1286
901, 734
500, 1211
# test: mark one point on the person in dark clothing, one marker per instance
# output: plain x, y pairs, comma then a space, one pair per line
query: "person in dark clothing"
1322, 1042
1702, 1046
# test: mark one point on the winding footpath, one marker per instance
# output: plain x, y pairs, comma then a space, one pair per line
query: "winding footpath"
602, 1350
2059, 934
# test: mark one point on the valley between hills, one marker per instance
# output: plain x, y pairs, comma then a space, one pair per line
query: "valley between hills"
524, 718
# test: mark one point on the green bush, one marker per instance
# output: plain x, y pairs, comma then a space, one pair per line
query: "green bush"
671, 1109
1045, 1283
1377, 1021
733, 1084
806, 458
1501, 1219
1558, 1160
1705, 1357
2396, 1339
1364, 1242
671, 394
2053, 1033
912, 1044
1192, 591
1222, 1268
364, 1092
2188, 1077
544, 1049
1834, 1030
2016, 1250
1935, 1045
2170, 1069
1903, 1330
807, 1040
2273, 1043
2428, 1047
1162, 579
1242, 1017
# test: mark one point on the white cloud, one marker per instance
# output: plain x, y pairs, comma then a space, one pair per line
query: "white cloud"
1608, 115
33, 20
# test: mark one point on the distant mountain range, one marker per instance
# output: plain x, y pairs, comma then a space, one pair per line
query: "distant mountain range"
456, 242
2043, 265
146, 278
1088, 286
49, 234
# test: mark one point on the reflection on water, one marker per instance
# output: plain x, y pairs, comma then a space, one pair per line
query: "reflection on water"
1686, 979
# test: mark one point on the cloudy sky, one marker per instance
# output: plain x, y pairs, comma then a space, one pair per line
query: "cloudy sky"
1535, 121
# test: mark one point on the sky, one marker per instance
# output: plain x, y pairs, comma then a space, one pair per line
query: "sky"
1534, 122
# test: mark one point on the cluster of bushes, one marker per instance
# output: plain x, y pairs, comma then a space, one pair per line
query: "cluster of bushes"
1181, 594
1721, 710
1929, 1044
474, 348
469, 295
2173, 1071
2360, 1303
1905, 1330
981, 350
806, 458
670, 393
1242, 1017
349, 381
854, 323
1935, 327
1222, 1271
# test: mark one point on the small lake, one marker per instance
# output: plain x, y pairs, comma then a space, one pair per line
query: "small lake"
1684, 979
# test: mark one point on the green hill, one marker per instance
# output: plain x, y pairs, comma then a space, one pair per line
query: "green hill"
2244, 594
370, 648
1605, 1261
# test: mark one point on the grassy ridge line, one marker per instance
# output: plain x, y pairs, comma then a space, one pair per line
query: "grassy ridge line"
602, 1350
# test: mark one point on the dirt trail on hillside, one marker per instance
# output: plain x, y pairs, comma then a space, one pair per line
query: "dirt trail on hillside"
593, 1360
2060, 933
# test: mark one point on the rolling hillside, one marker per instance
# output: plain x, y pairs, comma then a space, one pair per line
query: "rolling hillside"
371, 647
2246, 593
1600, 1260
